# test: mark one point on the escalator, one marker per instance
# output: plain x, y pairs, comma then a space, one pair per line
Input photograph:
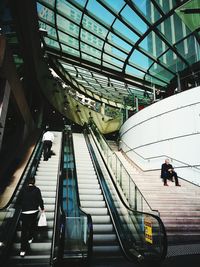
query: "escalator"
77, 245
41, 251
119, 237
92, 202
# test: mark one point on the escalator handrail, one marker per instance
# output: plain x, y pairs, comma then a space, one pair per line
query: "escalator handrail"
154, 210
162, 227
89, 217
58, 204
103, 187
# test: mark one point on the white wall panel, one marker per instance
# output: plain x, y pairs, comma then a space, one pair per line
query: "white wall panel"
168, 128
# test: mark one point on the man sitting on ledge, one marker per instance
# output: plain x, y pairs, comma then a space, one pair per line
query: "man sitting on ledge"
167, 172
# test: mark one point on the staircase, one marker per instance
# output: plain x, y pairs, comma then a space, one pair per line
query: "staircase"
105, 243
46, 179
179, 207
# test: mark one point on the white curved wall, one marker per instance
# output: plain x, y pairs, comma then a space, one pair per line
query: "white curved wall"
168, 128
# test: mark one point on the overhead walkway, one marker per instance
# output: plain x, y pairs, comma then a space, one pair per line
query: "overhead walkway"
41, 249
113, 224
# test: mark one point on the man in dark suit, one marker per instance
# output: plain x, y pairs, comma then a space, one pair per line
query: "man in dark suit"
167, 172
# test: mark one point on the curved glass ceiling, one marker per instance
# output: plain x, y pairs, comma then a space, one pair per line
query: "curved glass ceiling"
141, 43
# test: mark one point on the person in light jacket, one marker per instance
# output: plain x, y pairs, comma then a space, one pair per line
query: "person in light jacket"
30, 199
47, 139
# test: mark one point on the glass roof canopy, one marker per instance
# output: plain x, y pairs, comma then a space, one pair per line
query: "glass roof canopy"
114, 48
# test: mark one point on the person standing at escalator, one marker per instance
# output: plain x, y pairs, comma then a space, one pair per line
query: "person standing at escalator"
47, 139
30, 200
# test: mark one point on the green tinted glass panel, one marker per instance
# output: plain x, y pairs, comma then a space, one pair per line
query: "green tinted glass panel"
134, 19
191, 19
189, 50
133, 71
148, 40
102, 13
158, 71
125, 32
140, 59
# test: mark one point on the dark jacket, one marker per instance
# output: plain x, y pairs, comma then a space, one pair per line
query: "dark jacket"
164, 170
31, 198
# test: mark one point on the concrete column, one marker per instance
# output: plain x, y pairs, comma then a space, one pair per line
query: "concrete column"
178, 82
136, 104
154, 93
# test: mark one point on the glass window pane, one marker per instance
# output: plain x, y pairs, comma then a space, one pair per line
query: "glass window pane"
132, 71
113, 51
189, 50
140, 59
81, 2
51, 43
46, 14
90, 58
68, 10
93, 26
112, 60
125, 32
98, 10
148, 10
105, 64
153, 80
166, 6
67, 26
50, 4
70, 50
50, 30
115, 40
154, 44
134, 19
117, 6
172, 29
161, 73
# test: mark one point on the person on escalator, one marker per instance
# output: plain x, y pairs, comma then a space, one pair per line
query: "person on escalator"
47, 139
30, 200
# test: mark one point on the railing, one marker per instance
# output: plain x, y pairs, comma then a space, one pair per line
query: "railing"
59, 215
78, 227
142, 236
177, 164
161, 156
77, 235
123, 179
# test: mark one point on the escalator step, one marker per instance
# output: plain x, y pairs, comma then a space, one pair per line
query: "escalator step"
35, 248
41, 236
104, 239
